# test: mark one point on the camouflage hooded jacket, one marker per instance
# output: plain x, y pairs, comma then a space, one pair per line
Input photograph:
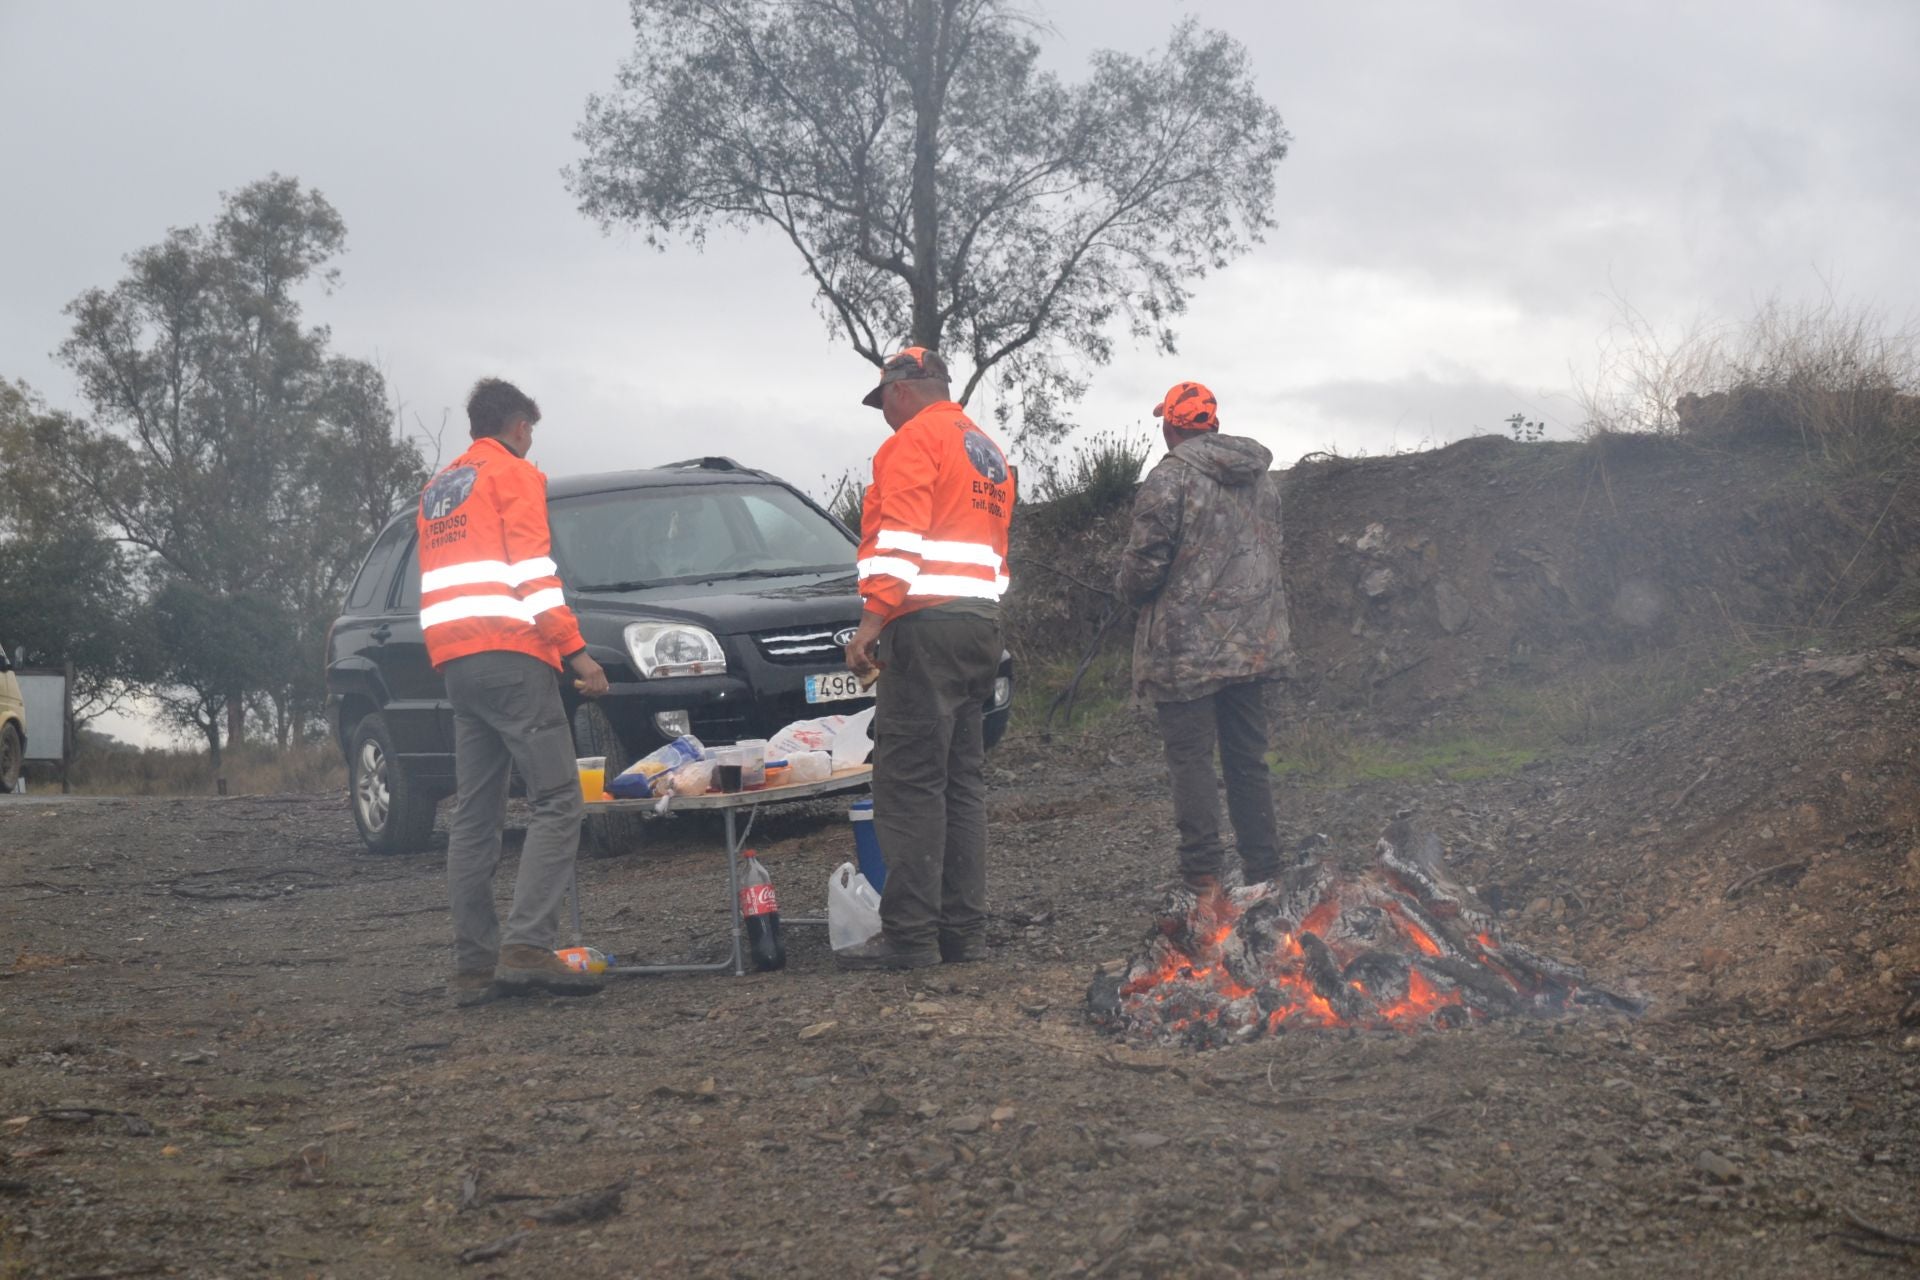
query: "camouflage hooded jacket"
1203, 563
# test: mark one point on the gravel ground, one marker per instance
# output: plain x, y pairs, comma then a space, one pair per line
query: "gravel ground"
225, 1049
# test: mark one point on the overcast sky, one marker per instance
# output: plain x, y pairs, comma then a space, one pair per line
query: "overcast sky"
1471, 189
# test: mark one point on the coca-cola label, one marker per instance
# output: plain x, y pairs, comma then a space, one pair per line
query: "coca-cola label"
758, 900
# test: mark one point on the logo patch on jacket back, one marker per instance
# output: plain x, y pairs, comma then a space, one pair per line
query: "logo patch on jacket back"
448, 490
984, 455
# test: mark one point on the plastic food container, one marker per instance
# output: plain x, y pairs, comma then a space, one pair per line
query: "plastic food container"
753, 763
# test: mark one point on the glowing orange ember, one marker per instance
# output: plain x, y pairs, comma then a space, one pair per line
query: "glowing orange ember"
1420, 938
1397, 946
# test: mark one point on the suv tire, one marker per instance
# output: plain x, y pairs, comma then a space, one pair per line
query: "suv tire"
394, 813
607, 834
13, 757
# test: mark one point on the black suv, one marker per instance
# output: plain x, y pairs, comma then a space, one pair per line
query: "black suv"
718, 598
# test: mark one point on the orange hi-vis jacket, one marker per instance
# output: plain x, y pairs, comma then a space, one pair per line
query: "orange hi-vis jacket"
487, 576
934, 527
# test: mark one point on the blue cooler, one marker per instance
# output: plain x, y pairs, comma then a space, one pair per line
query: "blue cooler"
866, 844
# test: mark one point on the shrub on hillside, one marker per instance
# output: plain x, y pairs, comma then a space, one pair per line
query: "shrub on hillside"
1097, 476
846, 499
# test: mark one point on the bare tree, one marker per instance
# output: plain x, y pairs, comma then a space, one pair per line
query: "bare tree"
939, 187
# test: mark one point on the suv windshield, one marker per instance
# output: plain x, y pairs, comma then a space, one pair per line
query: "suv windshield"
692, 533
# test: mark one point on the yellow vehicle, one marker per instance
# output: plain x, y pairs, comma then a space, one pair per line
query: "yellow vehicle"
13, 726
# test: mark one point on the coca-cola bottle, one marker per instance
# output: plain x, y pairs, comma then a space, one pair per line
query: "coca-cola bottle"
762, 912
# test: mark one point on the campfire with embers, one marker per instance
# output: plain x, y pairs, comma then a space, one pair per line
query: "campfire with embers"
1399, 945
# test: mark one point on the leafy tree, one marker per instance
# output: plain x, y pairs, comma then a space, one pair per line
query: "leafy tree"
207, 645
232, 450
67, 590
938, 186
353, 476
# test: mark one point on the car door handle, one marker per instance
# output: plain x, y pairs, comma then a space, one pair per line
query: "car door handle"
381, 632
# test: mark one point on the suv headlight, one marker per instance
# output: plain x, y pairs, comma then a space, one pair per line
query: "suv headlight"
674, 649
1002, 692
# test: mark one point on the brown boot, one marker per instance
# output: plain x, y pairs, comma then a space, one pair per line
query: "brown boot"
962, 949
878, 953
523, 970
470, 987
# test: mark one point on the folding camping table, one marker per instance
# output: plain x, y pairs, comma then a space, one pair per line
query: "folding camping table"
729, 804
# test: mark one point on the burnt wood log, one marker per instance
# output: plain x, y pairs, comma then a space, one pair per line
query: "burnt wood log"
1323, 971
1399, 944
1416, 860
1382, 973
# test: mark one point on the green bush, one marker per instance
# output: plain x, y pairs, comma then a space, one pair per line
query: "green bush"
1097, 476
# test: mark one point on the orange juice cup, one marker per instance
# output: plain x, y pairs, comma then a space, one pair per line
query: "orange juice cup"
593, 777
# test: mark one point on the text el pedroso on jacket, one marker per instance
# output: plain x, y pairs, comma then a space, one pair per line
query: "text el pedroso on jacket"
488, 582
934, 527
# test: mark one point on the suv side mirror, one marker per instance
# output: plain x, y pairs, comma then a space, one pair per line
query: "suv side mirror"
6, 663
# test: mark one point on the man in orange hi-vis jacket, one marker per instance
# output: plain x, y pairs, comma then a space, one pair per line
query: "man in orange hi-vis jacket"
933, 567
498, 628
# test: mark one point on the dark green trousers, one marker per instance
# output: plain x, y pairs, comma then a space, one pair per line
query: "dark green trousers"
929, 793
1234, 718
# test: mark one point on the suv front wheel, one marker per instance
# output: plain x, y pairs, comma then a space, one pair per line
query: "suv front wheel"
394, 814
594, 735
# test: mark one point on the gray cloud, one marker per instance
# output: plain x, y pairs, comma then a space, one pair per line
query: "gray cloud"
1470, 185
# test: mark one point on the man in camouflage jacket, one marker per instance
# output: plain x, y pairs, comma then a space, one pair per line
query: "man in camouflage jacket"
1203, 564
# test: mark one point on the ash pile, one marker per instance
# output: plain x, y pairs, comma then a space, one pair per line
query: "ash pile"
1400, 945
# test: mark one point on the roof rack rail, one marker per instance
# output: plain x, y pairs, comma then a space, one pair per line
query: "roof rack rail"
704, 464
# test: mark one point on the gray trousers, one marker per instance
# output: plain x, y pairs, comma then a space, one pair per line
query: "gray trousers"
929, 792
507, 711
1236, 718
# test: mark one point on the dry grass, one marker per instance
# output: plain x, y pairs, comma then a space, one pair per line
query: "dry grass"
846, 497
1311, 748
25, 961
304, 770
1841, 380
1105, 692
1511, 724
1601, 701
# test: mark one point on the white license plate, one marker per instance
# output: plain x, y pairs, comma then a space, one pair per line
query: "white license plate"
835, 686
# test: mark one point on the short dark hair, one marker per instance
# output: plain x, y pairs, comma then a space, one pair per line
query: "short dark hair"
496, 402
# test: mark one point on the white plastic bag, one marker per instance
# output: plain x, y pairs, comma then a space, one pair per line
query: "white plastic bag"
854, 743
804, 735
853, 908
809, 766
